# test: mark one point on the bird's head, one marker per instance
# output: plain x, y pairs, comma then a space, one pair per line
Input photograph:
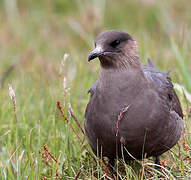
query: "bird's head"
115, 49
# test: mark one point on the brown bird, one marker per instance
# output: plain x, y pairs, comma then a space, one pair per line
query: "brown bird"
133, 107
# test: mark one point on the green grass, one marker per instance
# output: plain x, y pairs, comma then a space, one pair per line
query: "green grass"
34, 36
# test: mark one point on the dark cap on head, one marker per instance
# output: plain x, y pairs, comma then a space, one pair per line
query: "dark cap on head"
115, 48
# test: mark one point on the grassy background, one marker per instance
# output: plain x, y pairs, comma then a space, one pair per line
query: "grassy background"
35, 35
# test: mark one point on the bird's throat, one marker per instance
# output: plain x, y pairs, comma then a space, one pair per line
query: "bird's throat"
115, 78
120, 63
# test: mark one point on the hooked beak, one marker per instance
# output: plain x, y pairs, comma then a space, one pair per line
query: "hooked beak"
95, 53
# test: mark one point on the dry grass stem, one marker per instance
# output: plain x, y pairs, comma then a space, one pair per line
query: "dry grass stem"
76, 120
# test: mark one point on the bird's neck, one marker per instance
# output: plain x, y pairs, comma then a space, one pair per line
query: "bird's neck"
123, 63
114, 77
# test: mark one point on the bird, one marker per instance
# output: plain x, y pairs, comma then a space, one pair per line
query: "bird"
133, 111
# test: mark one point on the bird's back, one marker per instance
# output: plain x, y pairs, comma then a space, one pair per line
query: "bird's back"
163, 83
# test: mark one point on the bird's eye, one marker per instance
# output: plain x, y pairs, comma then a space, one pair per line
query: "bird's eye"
115, 43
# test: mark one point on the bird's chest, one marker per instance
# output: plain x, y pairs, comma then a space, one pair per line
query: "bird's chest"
109, 101
116, 94
111, 96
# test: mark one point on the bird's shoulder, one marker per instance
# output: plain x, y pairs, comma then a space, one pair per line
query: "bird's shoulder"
160, 79
92, 89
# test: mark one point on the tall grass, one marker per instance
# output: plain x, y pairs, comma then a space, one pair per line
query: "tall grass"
42, 144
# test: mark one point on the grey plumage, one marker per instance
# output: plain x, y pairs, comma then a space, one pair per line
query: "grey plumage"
150, 63
153, 122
